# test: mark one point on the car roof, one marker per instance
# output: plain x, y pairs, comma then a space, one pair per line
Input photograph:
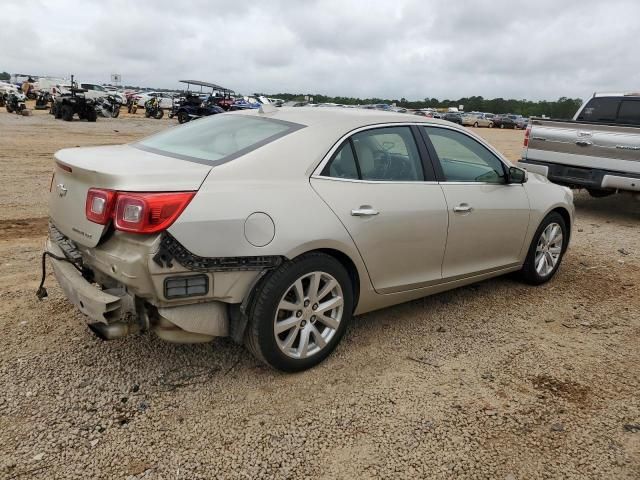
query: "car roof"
340, 118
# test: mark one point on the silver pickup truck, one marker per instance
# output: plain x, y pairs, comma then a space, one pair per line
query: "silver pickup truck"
598, 150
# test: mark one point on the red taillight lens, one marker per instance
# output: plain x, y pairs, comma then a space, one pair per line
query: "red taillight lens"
149, 212
99, 205
527, 132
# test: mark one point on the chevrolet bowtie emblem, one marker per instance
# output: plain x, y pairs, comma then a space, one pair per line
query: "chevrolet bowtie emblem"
61, 190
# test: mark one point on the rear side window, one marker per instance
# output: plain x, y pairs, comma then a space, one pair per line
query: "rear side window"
381, 154
600, 109
629, 112
217, 139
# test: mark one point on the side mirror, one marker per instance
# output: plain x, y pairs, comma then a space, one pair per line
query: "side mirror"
517, 175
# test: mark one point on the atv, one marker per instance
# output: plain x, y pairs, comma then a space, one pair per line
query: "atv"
15, 102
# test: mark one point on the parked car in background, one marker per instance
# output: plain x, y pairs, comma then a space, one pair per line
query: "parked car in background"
504, 121
453, 117
598, 150
191, 253
94, 91
522, 122
477, 120
166, 99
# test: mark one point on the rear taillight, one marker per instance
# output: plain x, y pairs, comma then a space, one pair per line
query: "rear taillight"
99, 205
136, 212
527, 132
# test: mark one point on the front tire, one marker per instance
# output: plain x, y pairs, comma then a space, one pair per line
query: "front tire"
546, 250
66, 113
159, 114
183, 117
300, 312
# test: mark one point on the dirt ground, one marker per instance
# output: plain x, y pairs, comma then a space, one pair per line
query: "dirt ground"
497, 380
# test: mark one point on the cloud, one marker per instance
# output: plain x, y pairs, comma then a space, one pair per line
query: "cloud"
376, 48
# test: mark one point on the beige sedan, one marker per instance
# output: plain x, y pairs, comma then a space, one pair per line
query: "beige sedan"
478, 120
275, 227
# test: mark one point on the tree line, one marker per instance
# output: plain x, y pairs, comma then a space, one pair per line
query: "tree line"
562, 108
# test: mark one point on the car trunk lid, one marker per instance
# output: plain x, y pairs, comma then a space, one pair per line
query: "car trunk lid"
121, 168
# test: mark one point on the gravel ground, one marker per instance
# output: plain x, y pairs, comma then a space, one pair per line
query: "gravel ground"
498, 380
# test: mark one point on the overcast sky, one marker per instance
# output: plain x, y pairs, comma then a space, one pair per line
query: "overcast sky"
535, 49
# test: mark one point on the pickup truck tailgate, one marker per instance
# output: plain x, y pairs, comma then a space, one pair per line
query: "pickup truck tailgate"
606, 147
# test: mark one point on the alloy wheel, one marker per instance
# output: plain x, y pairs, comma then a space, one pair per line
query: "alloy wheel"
308, 315
548, 249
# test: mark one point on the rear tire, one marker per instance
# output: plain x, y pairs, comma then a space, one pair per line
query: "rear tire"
116, 112
475, 125
9, 109
597, 193
159, 114
91, 115
541, 263
304, 339
66, 112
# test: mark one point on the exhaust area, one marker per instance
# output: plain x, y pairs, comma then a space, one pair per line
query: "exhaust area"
114, 330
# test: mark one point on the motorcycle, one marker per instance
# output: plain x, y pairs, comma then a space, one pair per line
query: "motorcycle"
152, 108
15, 102
108, 106
42, 100
132, 105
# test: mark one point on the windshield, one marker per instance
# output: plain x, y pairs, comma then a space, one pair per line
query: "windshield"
217, 139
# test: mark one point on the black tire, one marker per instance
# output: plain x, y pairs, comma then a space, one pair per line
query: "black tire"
475, 125
502, 125
529, 273
56, 111
159, 114
116, 112
597, 193
490, 124
66, 112
147, 114
183, 117
8, 107
91, 115
260, 338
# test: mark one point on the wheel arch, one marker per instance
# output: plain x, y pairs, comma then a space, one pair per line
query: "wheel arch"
566, 216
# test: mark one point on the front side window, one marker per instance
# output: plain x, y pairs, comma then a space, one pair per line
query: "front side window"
464, 159
600, 109
218, 138
381, 154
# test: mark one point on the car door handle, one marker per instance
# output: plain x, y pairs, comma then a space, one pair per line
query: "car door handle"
364, 211
583, 143
463, 208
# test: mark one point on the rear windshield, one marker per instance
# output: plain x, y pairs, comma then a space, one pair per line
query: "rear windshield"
218, 138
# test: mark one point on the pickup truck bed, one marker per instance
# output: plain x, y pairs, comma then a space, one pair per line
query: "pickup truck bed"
602, 157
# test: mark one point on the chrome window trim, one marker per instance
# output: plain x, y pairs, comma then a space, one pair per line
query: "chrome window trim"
376, 182
317, 172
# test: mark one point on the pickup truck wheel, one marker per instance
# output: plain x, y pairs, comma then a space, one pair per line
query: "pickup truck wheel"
546, 250
597, 193
300, 312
